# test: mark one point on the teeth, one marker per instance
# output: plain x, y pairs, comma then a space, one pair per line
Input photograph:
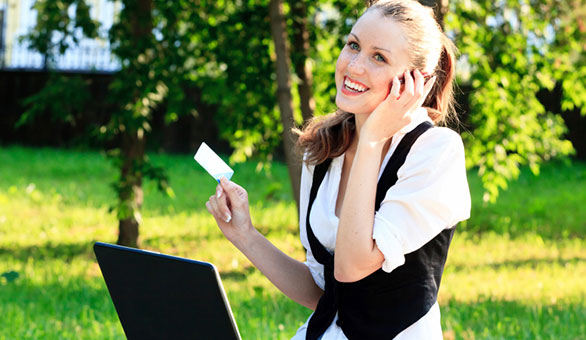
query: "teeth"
354, 86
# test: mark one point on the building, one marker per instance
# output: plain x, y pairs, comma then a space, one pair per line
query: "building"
17, 18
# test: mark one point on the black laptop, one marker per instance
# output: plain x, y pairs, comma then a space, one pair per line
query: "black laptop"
160, 296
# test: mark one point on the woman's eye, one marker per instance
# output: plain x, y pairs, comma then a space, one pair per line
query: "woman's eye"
353, 45
379, 57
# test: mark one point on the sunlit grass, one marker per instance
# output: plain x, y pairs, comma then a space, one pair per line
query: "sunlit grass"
513, 281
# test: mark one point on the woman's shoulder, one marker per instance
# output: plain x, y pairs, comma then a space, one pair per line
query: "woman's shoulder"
435, 147
305, 165
440, 137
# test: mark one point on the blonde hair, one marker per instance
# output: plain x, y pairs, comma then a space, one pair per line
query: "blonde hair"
430, 51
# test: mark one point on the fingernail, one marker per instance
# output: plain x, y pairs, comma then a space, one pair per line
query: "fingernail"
228, 218
218, 193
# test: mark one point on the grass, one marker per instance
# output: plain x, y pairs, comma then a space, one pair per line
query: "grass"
515, 270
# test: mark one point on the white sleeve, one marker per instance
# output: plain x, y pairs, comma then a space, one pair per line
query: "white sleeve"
316, 269
431, 194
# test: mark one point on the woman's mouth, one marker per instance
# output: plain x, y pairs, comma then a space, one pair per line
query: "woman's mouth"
352, 87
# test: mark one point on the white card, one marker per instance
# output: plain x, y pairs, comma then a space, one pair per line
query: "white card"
212, 163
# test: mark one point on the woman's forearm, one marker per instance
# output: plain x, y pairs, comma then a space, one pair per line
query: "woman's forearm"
231, 211
356, 254
292, 277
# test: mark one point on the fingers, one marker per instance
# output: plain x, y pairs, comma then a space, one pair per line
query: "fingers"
222, 201
217, 205
416, 89
419, 82
428, 87
229, 196
408, 88
395, 89
425, 92
236, 194
407, 93
220, 213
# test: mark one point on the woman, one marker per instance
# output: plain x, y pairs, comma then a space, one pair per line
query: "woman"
381, 191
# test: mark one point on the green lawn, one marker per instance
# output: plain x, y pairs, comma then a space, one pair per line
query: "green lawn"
516, 270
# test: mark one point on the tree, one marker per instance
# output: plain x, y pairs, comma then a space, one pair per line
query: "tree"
300, 57
166, 47
280, 38
136, 53
151, 69
513, 50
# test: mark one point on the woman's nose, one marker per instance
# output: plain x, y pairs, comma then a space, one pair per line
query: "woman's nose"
356, 65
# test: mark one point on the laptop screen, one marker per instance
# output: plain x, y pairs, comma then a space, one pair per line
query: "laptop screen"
159, 296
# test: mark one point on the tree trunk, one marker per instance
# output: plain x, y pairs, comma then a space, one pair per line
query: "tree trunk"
300, 57
284, 96
130, 193
440, 9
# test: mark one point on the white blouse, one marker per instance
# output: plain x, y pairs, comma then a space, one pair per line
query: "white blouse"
431, 194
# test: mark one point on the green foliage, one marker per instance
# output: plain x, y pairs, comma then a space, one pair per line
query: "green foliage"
515, 49
55, 29
243, 83
330, 23
64, 97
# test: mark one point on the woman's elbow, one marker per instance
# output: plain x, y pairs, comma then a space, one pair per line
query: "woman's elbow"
310, 304
352, 271
312, 299
345, 274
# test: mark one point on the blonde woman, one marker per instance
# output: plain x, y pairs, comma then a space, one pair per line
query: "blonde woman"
381, 190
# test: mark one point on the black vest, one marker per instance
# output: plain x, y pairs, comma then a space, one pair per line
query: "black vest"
381, 305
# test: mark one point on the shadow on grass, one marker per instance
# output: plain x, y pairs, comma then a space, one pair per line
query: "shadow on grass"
176, 240
68, 251
65, 251
532, 263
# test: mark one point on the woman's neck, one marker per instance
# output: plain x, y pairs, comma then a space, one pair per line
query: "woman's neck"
359, 120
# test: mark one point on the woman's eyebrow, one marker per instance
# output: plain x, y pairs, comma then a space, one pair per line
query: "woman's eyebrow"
374, 47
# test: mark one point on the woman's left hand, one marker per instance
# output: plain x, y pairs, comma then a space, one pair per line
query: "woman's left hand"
394, 113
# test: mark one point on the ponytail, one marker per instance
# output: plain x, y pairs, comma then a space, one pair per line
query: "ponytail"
440, 101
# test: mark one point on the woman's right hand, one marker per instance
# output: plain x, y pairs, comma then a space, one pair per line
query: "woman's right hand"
394, 112
230, 209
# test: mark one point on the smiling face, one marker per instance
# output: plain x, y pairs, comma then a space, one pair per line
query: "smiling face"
376, 52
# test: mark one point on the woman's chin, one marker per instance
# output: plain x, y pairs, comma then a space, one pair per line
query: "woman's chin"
351, 109
353, 106
346, 107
